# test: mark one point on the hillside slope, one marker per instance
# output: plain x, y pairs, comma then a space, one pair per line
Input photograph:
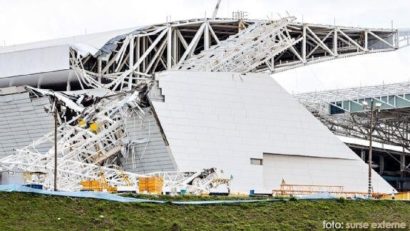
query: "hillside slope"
33, 212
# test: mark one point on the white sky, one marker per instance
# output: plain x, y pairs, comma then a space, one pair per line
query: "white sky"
23, 21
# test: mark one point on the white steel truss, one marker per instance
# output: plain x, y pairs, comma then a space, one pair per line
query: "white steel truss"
90, 142
244, 51
83, 151
195, 182
280, 45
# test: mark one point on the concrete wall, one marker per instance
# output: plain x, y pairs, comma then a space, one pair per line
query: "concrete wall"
149, 151
352, 174
22, 120
223, 120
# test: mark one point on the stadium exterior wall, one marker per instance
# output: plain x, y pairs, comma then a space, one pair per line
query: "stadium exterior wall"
224, 120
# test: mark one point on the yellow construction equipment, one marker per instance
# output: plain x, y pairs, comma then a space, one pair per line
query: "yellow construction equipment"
151, 184
299, 189
94, 127
100, 185
125, 178
82, 123
398, 196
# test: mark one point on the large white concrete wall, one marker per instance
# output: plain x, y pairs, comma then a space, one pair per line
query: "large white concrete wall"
224, 119
352, 174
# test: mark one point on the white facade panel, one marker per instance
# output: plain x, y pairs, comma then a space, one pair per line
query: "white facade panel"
224, 119
40, 60
22, 121
303, 170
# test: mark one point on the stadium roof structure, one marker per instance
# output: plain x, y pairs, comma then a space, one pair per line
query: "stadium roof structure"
390, 96
345, 113
265, 45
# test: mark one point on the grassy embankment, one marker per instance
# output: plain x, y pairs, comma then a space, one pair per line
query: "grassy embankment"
36, 212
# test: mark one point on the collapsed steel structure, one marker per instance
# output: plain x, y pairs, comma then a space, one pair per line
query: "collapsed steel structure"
91, 140
259, 45
91, 135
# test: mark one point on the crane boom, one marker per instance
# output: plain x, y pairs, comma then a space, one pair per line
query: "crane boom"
216, 9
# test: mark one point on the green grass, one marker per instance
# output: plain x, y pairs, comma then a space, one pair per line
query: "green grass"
20, 211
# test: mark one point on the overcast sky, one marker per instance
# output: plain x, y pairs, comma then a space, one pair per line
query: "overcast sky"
23, 21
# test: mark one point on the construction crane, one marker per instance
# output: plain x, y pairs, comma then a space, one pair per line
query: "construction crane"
216, 9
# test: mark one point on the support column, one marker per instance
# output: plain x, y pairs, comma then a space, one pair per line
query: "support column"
335, 42
138, 50
169, 48
304, 44
402, 164
273, 64
68, 88
175, 47
381, 164
144, 49
131, 62
366, 40
206, 36
99, 63
363, 155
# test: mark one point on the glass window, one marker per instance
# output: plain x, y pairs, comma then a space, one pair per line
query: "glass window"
255, 161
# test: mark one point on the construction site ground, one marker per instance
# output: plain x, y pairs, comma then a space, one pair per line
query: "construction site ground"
24, 211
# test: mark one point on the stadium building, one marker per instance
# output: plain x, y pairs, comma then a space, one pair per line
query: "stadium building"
177, 98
